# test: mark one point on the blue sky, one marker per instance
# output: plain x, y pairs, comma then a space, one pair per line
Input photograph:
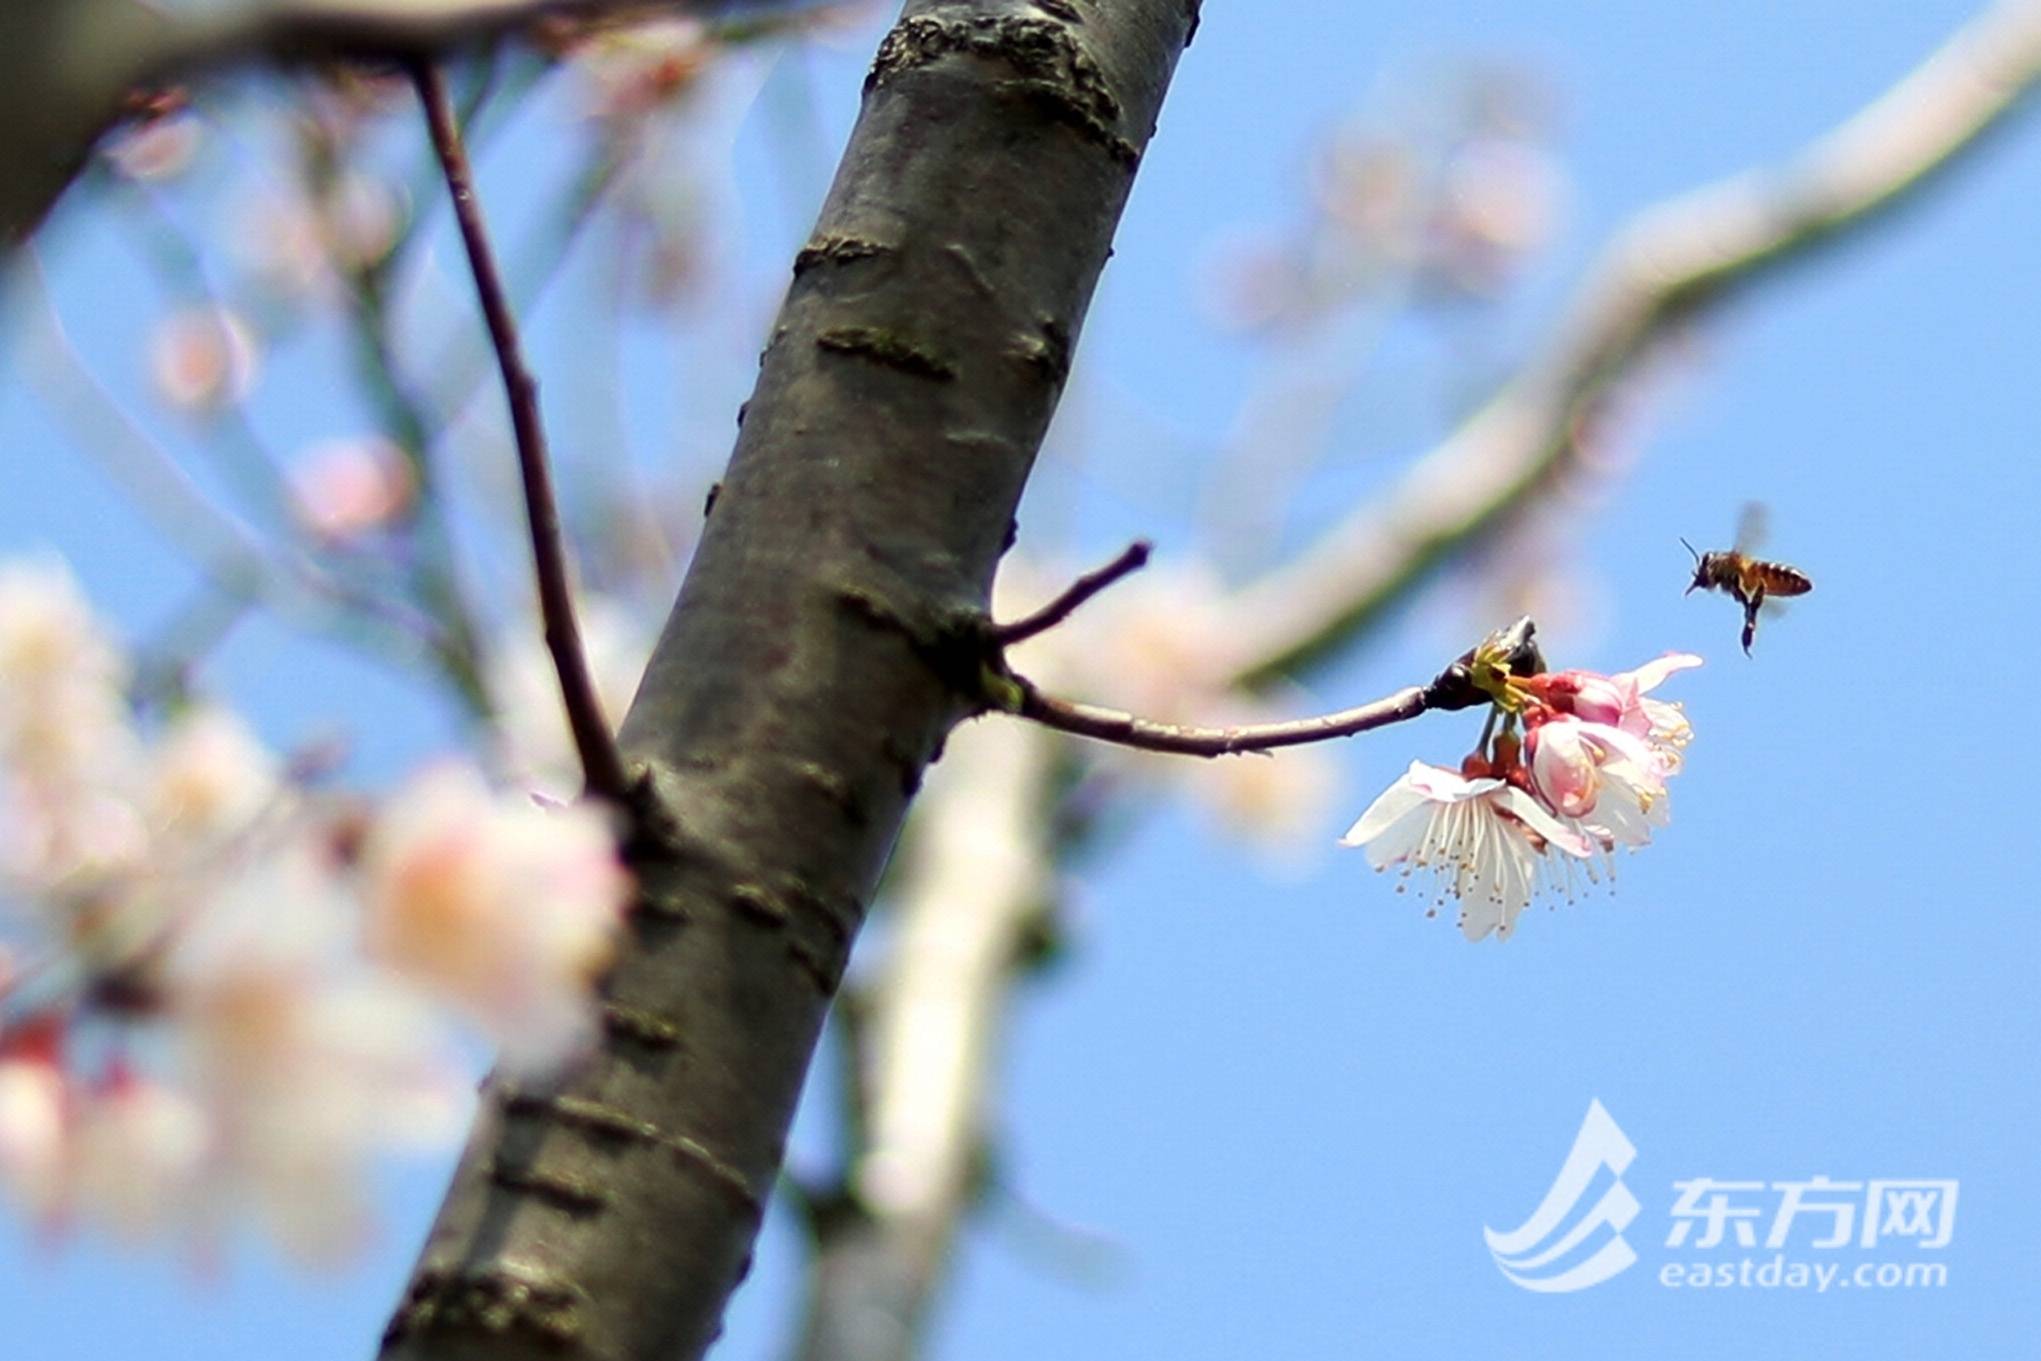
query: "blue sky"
1292, 1103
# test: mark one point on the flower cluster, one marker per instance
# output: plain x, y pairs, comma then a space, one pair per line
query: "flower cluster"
221, 991
1541, 811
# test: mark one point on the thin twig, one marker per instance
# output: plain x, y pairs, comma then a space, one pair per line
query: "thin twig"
1084, 588
601, 761
1112, 725
1674, 262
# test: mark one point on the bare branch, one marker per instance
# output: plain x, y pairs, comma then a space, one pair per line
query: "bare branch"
601, 762
1124, 729
1671, 264
1132, 559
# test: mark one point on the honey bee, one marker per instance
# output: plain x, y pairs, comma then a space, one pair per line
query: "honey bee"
1750, 581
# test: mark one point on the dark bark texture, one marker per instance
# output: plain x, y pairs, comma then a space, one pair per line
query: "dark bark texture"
829, 633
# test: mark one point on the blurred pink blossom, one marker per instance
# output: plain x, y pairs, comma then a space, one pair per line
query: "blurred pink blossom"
202, 359
506, 909
348, 488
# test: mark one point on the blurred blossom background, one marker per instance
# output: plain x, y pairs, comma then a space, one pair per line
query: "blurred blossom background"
1147, 1060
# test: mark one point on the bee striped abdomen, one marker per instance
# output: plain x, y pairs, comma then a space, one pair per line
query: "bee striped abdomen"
1779, 579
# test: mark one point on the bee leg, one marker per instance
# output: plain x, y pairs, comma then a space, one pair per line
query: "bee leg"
1751, 605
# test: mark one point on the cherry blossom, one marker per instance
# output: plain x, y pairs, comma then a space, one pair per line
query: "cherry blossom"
1620, 700
203, 358
632, 71
346, 488
34, 1112
505, 908
138, 1150
65, 740
157, 148
1610, 780
234, 990
304, 1057
208, 777
1541, 811
1479, 839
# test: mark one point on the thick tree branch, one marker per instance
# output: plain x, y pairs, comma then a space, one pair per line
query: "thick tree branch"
805, 677
601, 763
1671, 264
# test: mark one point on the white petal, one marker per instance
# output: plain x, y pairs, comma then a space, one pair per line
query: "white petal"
1393, 803
1478, 920
1447, 786
1400, 840
1653, 673
1535, 816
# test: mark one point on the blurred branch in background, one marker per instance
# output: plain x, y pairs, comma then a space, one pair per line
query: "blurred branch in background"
1669, 266
66, 66
330, 228
975, 877
930, 1088
242, 565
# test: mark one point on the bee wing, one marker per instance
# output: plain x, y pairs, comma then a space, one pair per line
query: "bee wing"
1774, 608
1753, 523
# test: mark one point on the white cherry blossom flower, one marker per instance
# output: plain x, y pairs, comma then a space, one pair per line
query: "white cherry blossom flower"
137, 1157
67, 749
209, 778
506, 909
1480, 840
305, 1060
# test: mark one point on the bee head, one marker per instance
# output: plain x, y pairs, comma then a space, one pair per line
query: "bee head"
1700, 568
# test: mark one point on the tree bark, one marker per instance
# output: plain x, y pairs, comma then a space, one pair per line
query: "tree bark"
828, 635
